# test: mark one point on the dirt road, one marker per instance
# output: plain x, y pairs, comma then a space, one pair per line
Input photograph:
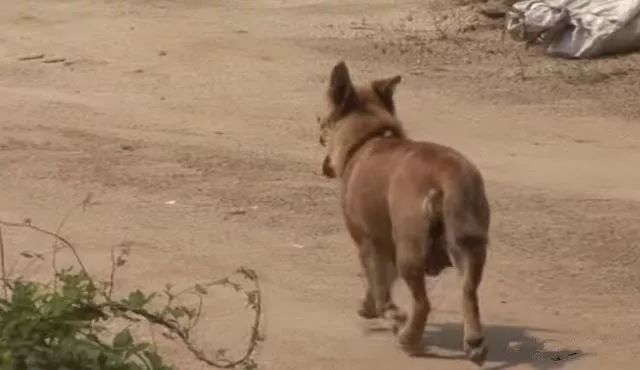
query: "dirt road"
194, 127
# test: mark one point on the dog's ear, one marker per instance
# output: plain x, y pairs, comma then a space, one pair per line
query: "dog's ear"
342, 93
385, 88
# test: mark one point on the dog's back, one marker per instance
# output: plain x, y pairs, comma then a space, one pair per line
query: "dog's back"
391, 180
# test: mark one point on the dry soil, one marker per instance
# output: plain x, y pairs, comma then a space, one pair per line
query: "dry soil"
192, 123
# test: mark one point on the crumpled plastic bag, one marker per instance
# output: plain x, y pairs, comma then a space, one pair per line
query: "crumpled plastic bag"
577, 28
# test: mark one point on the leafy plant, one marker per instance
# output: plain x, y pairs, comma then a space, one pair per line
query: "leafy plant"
41, 328
61, 324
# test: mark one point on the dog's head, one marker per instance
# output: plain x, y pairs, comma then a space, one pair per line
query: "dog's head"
345, 99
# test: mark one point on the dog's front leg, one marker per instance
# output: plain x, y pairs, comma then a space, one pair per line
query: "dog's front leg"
380, 274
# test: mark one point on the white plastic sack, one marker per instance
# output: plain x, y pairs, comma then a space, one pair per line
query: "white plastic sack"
578, 28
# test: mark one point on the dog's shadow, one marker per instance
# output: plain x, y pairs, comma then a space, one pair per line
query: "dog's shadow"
509, 346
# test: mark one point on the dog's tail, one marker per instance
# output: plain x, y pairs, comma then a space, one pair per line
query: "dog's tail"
438, 256
466, 214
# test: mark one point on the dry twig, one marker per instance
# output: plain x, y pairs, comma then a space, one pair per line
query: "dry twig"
66, 244
31, 57
4, 267
84, 204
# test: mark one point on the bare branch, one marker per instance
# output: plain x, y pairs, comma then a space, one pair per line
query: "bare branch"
4, 268
84, 204
112, 275
254, 299
66, 244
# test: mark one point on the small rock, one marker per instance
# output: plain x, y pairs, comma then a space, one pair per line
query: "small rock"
238, 212
493, 12
162, 53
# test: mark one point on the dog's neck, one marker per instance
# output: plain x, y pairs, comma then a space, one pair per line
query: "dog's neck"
349, 151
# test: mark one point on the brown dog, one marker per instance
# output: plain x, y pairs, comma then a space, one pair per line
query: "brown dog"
411, 207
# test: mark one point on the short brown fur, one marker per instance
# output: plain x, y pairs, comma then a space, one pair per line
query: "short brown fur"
411, 207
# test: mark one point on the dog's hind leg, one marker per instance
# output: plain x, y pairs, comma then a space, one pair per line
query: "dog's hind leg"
469, 260
411, 257
467, 217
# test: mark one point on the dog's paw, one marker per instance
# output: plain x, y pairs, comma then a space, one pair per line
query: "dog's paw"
476, 350
367, 311
412, 349
396, 326
397, 318
411, 344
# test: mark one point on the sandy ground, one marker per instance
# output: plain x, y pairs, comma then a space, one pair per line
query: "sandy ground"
213, 106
